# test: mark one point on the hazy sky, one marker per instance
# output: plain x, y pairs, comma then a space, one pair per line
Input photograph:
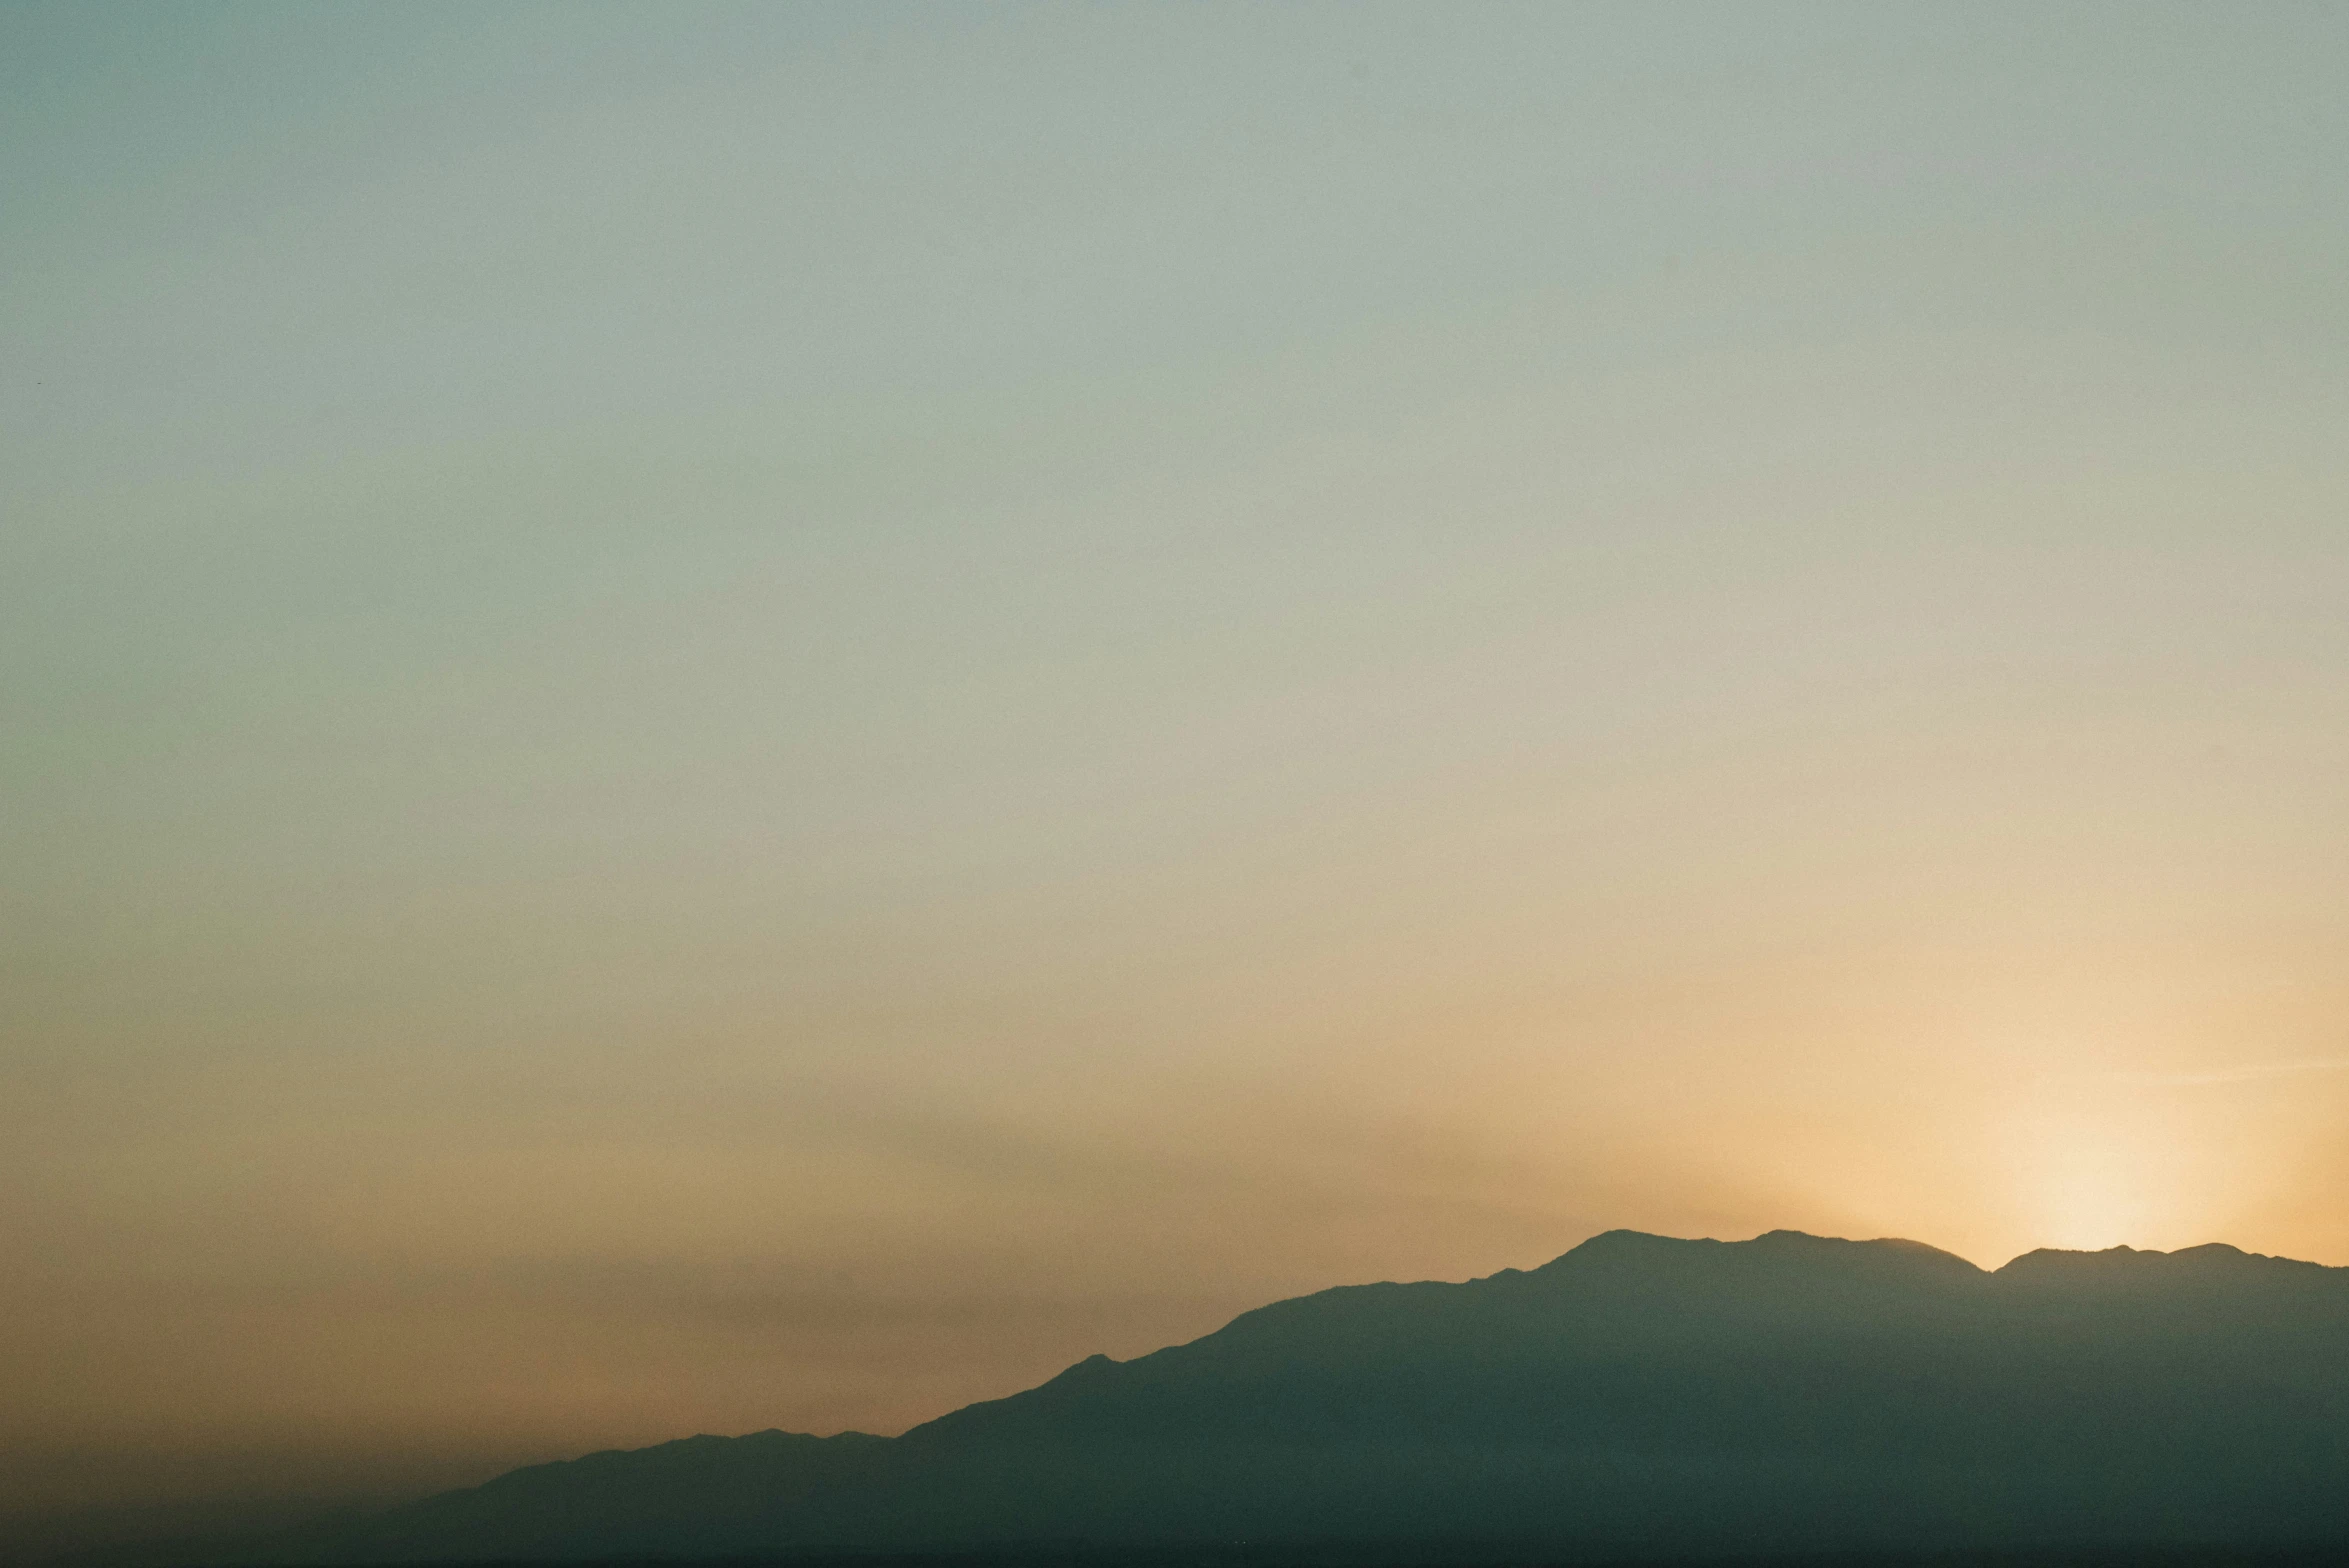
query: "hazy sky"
721, 718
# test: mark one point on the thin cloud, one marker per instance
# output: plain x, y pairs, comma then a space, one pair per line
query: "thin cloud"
2322, 1064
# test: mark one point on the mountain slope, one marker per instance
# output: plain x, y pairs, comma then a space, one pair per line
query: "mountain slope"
1639, 1394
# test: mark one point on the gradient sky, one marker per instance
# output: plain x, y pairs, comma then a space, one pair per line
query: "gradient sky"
722, 718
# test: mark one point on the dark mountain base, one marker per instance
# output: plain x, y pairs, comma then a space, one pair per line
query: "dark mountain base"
1425, 1555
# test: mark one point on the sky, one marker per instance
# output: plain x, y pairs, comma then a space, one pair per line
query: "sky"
717, 718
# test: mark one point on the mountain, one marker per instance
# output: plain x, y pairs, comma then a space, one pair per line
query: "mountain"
1638, 1396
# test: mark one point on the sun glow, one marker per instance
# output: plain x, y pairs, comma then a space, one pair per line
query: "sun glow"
2094, 1194
2092, 1173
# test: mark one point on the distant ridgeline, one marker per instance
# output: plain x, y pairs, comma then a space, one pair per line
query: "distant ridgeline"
1639, 1396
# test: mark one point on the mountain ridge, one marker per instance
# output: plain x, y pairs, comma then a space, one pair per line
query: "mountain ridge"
1636, 1394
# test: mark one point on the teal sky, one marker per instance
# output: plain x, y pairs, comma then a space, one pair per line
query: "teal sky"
727, 717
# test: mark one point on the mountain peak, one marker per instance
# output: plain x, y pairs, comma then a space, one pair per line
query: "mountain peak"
1624, 1246
2136, 1263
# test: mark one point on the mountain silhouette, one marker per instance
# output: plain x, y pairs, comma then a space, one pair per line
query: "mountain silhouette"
1639, 1396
